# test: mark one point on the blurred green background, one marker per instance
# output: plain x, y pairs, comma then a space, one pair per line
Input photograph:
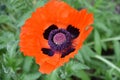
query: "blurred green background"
99, 58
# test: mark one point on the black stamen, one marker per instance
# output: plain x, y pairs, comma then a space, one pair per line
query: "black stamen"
67, 52
48, 52
73, 31
48, 30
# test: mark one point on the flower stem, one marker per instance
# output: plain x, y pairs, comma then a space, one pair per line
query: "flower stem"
106, 40
107, 62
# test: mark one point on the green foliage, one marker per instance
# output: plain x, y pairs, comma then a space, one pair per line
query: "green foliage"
97, 60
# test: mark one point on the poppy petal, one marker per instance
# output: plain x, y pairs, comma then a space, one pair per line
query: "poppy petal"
46, 68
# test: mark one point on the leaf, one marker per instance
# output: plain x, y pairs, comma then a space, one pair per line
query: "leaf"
104, 46
86, 53
79, 66
109, 74
11, 48
27, 64
39, 4
79, 57
117, 50
74, 66
23, 18
102, 27
97, 41
31, 76
82, 75
4, 19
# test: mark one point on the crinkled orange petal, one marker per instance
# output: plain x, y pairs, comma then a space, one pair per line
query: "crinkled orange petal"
46, 68
41, 58
61, 14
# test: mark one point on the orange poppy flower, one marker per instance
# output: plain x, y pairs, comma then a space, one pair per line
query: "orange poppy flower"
54, 34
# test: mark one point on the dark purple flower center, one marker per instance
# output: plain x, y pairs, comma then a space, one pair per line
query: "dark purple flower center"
59, 38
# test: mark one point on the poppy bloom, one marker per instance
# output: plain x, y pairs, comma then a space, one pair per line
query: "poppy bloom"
54, 34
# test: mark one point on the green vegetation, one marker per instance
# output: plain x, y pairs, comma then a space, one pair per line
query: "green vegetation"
99, 58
